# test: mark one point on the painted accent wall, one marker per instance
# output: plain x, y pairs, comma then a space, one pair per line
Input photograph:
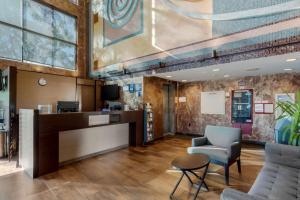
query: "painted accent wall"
191, 121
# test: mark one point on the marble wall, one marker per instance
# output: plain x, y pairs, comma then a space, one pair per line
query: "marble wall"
131, 99
191, 121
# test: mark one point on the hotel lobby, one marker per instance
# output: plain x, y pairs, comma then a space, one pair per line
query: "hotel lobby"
149, 99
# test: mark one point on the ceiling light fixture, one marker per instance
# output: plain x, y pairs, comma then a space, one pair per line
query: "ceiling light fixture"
184, 80
216, 70
291, 60
169, 76
226, 75
252, 69
287, 69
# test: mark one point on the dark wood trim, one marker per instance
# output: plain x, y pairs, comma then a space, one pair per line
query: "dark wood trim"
36, 143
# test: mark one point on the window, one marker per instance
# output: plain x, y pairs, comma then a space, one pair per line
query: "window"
33, 32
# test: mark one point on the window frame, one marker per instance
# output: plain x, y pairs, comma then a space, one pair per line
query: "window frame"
53, 38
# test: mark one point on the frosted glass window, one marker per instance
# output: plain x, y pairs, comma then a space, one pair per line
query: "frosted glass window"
64, 27
11, 12
64, 55
10, 42
38, 17
34, 32
37, 48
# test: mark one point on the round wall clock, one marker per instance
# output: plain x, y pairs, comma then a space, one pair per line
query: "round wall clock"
42, 82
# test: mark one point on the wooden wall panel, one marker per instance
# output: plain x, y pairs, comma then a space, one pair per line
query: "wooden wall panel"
153, 93
30, 93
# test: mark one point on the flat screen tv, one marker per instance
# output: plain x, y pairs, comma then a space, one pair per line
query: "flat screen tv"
110, 92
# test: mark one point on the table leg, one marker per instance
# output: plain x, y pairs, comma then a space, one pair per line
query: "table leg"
177, 184
199, 177
190, 180
201, 181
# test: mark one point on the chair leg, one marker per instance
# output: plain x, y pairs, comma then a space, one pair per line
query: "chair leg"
238, 161
226, 169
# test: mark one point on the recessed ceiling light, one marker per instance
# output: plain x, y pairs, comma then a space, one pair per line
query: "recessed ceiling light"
216, 70
252, 69
291, 60
169, 76
184, 80
226, 75
287, 69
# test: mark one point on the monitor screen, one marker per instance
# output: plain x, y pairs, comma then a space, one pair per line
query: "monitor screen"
110, 92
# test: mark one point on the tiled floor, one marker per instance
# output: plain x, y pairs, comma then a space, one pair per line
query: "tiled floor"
8, 167
130, 174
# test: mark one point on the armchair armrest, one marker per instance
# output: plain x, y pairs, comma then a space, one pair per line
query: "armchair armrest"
200, 141
283, 154
235, 150
231, 194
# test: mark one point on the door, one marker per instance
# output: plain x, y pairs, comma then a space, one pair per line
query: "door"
87, 98
169, 108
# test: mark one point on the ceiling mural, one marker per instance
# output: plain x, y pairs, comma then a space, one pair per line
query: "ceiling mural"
134, 36
122, 19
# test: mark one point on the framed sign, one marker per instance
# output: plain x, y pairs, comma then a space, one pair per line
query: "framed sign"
264, 108
268, 108
259, 108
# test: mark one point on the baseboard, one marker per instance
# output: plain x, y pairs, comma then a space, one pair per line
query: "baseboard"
61, 164
188, 134
253, 142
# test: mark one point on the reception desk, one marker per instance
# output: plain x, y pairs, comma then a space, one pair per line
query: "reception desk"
50, 140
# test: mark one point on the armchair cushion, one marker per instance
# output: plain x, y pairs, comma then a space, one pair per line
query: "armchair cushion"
214, 153
222, 136
199, 141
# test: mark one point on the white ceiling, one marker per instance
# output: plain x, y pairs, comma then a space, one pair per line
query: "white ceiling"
263, 66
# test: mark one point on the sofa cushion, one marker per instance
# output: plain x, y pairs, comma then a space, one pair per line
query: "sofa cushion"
276, 182
222, 136
214, 153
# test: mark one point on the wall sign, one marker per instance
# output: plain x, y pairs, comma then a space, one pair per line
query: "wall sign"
259, 108
264, 107
131, 88
182, 99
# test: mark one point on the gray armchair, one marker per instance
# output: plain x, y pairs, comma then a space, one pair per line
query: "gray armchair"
222, 145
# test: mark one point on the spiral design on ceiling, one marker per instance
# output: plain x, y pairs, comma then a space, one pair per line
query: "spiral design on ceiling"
258, 12
119, 12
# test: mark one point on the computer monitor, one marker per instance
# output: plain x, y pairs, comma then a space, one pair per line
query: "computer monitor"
67, 106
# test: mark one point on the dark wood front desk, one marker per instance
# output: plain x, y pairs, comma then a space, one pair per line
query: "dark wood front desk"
47, 127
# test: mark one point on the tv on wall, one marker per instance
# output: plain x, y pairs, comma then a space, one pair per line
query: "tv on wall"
110, 92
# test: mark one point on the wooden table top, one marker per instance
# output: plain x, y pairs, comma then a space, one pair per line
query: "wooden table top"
191, 161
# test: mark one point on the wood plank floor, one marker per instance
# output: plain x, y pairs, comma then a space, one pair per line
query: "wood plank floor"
140, 173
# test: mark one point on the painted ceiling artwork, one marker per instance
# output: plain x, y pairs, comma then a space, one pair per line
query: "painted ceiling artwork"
122, 19
135, 35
